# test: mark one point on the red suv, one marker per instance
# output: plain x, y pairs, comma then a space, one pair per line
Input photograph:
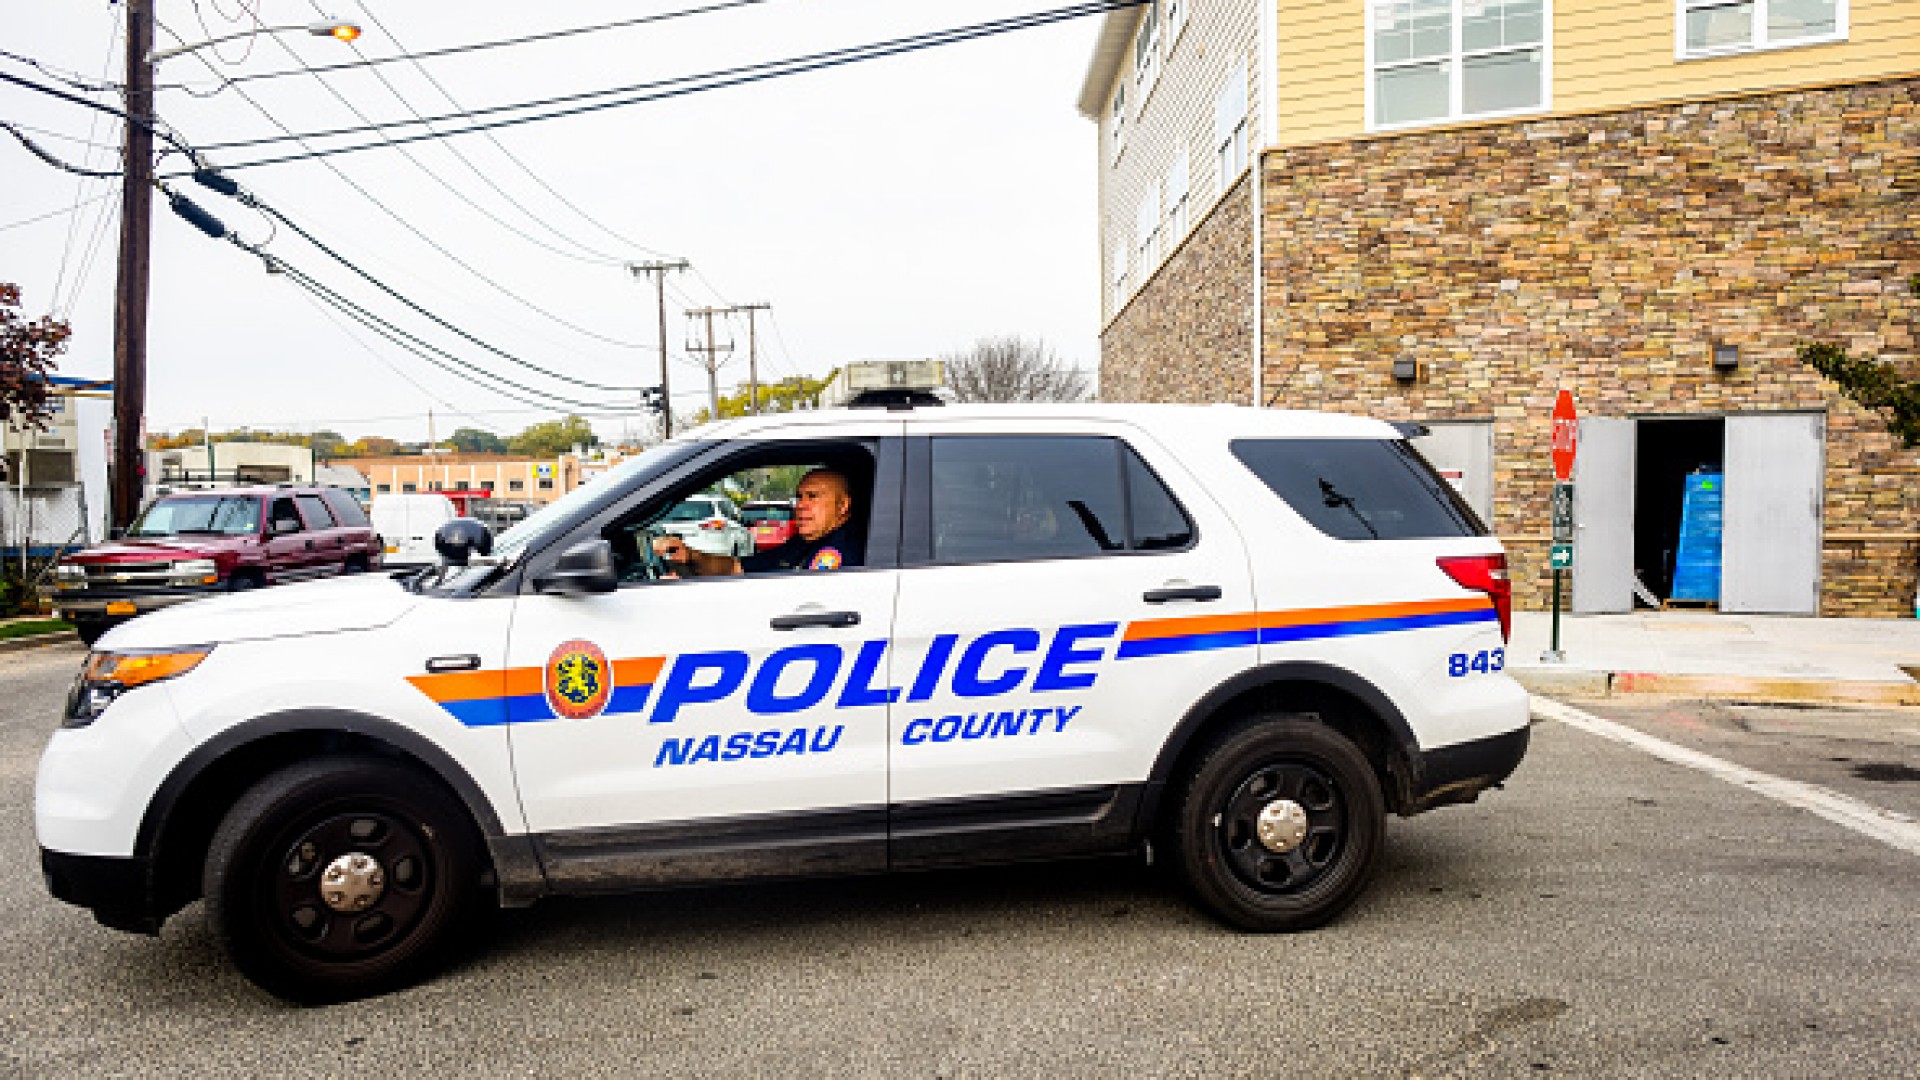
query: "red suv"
187, 545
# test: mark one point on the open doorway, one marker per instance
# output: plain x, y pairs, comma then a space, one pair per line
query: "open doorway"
1666, 452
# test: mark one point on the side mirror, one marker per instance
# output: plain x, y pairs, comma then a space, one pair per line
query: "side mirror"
461, 539
586, 567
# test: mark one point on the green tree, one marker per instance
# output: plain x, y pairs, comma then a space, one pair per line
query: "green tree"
787, 395
554, 437
326, 444
27, 350
1871, 383
474, 441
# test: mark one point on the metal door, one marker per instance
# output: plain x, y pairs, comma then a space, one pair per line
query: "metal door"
1770, 555
1602, 516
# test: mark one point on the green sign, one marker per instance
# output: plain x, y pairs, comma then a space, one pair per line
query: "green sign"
1561, 558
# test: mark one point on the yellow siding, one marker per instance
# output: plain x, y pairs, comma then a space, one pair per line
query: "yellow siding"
1606, 54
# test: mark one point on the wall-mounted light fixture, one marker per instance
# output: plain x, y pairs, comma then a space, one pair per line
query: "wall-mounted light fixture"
1405, 369
1726, 358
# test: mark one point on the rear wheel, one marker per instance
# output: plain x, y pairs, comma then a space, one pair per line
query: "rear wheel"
243, 581
339, 878
1279, 824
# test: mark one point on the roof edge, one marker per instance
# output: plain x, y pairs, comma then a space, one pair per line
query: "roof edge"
1109, 52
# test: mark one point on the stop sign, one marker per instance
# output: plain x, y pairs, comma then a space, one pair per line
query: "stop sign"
1566, 435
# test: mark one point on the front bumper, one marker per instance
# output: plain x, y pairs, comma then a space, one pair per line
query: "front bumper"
119, 889
98, 604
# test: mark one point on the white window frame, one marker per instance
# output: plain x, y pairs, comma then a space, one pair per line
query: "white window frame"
1146, 229
1757, 38
1117, 118
1177, 12
1178, 191
1146, 51
1230, 150
1119, 272
1455, 61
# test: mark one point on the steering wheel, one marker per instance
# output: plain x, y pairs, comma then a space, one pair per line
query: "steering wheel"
643, 564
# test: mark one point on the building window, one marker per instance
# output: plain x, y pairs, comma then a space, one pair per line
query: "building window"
1176, 230
408, 488
1119, 270
386, 489
433, 485
546, 484
1714, 27
1117, 127
1146, 230
1146, 50
516, 485
1230, 126
486, 485
1176, 19
1438, 60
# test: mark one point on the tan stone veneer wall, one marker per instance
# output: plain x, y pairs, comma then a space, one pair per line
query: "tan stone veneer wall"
1187, 335
1607, 253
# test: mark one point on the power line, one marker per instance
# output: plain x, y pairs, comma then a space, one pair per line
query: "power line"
502, 147
46, 156
525, 39
62, 211
428, 240
664, 89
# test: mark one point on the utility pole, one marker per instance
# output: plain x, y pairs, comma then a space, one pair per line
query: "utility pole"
712, 361
130, 293
753, 356
658, 270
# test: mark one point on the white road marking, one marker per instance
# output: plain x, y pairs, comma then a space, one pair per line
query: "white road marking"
1888, 827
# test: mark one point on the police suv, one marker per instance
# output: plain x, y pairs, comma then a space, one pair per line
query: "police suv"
1239, 636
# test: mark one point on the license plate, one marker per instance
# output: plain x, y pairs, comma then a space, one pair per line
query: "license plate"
120, 607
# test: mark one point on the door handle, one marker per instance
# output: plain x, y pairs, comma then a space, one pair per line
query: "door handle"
833, 619
1191, 592
460, 662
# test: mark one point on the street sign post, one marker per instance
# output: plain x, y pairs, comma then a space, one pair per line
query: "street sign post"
1565, 442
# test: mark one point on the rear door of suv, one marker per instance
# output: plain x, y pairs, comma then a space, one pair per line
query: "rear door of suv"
1065, 598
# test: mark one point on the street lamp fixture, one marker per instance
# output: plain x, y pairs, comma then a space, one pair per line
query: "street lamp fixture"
338, 29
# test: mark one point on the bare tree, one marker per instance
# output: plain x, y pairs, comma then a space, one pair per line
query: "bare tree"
1011, 368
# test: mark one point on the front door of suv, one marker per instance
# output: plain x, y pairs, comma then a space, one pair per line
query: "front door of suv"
1054, 602
710, 727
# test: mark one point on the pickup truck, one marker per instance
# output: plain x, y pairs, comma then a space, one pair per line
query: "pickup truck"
194, 543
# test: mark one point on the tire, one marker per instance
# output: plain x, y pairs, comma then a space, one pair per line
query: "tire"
268, 858
1323, 804
242, 582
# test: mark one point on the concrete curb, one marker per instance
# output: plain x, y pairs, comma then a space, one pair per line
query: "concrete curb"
36, 641
1783, 690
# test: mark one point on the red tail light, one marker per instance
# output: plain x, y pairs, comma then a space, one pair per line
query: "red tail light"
1487, 574
714, 523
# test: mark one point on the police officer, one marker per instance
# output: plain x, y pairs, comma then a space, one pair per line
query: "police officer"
822, 538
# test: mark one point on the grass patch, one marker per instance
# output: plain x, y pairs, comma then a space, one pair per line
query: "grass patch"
33, 627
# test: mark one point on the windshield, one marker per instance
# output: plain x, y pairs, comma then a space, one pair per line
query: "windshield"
222, 515
561, 514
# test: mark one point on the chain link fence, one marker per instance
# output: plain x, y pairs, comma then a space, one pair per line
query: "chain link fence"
37, 526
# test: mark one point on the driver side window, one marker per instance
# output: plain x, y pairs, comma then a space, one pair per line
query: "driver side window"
706, 514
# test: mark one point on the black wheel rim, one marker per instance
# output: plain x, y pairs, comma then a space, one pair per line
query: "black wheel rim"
302, 920
1282, 873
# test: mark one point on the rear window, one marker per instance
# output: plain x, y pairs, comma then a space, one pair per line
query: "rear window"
346, 510
694, 510
754, 515
1360, 489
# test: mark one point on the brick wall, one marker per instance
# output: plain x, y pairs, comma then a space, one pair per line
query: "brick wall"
1606, 253
1187, 335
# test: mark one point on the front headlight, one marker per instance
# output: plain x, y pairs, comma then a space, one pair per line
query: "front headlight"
108, 675
193, 572
70, 576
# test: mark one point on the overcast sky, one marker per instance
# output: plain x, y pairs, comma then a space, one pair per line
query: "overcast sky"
901, 207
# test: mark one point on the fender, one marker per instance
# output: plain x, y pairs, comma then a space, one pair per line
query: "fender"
1405, 749
521, 880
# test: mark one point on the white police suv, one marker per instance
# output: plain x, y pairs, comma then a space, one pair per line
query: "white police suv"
1242, 636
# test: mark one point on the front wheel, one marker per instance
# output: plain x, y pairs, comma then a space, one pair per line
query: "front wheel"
1279, 825
340, 878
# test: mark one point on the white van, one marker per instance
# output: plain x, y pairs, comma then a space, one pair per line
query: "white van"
406, 524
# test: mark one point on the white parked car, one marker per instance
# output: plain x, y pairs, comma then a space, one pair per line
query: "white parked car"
406, 524
1244, 637
709, 523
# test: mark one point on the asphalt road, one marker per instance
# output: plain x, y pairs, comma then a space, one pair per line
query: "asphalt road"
1606, 915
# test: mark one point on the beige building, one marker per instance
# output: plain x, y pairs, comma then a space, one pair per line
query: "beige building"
1443, 211
502, 476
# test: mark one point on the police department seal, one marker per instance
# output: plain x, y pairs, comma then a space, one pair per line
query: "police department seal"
579, 681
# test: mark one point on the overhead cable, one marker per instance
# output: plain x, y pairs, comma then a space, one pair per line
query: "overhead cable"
663, 89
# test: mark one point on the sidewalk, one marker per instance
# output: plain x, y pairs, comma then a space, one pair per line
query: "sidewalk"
1772, 658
